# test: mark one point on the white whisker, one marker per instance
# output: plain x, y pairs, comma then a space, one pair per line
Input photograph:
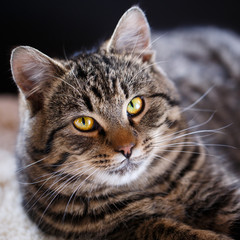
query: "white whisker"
199, 99
29, 165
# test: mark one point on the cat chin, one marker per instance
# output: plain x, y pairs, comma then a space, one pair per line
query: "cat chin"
124, 174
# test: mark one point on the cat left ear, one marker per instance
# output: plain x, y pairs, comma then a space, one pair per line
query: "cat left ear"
33, 71
132, 34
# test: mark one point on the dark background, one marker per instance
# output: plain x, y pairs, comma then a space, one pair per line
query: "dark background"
60, 27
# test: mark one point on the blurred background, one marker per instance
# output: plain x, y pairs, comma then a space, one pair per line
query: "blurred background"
59, 28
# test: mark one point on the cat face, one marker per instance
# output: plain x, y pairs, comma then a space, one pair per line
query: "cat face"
100, 116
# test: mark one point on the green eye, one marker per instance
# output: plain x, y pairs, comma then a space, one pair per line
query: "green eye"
135, 106
84, 123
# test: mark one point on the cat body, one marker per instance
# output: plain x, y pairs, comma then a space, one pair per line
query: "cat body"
105, 151
204, 65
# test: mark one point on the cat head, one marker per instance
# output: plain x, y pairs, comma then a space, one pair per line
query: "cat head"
99, 117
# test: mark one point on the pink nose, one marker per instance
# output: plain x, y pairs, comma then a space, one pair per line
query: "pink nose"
126, 150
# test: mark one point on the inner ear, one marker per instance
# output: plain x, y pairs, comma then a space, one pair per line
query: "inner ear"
132, 34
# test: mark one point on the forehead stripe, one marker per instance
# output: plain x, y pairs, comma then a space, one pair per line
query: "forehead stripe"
125, 89
96, 92
88, 103
171, 102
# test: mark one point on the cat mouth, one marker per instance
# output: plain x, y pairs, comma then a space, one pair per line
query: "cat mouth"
126, 166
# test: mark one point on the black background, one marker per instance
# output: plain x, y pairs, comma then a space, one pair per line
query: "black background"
59, 28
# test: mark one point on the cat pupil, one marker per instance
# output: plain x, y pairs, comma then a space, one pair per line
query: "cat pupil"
83, 121
131, 103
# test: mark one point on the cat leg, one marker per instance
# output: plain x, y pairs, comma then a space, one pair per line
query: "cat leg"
168, 229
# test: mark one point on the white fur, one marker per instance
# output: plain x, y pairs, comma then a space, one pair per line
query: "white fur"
117, 179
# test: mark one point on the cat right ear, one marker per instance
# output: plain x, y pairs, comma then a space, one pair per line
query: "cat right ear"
31, 70
132, 34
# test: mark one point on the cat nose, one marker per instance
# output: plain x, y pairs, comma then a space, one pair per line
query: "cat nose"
126, 150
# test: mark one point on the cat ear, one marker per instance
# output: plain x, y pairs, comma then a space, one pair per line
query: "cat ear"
31, 71
132, 34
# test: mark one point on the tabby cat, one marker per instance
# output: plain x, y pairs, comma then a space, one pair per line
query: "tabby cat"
104, 150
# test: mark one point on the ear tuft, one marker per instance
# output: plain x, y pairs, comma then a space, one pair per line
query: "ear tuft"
132, 33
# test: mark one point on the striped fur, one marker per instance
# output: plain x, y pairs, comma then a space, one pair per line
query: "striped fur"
76, 186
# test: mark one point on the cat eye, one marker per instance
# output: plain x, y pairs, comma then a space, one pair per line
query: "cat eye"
84, 124
135, 106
